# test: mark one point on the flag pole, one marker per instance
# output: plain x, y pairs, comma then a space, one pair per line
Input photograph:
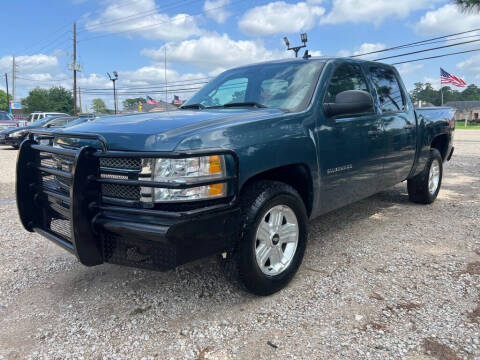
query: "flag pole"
166, 94
441, 91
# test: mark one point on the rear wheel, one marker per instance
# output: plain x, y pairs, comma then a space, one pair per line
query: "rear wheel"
424, 187
274, 236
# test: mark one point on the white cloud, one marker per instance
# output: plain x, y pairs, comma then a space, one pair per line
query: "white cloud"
435, 82
447, 19
152, 25
375, 11
281, 17
214, 51
147, 80
365, 48
408, 68
470, 67
38, 62
216, 9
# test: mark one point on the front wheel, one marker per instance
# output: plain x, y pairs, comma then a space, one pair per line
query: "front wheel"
274, 236
424, 187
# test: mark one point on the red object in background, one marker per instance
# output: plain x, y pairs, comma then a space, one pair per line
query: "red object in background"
152, 101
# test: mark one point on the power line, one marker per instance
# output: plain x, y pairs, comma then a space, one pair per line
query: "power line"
47, 37
160, 23
143, 93
135, 16
425, 50
416, 43
179, 82
42, 81
436, 56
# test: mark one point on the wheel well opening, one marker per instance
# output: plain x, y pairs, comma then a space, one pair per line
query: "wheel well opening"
297, 176
441, 144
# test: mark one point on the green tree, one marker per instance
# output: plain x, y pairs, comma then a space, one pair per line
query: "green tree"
468, 5
98, 106
56, 99
37, 100
425, 92
3, 100
60, 100
132, 104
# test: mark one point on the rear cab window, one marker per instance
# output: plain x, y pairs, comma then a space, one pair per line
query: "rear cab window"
389, 93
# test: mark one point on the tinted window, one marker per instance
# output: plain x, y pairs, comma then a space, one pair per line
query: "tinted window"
345, 77
389, 93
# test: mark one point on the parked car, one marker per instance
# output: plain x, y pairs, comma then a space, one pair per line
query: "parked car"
7, 121
239, 170
60, 122
35, 116
14, 136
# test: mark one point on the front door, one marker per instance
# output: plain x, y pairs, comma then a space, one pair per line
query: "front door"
350, 147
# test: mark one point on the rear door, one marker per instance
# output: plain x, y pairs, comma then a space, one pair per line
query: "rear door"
349, 147
399, 123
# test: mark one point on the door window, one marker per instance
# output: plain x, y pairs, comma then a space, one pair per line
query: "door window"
388, 89
345, 77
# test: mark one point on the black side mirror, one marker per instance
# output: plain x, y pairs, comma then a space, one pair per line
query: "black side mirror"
349, 102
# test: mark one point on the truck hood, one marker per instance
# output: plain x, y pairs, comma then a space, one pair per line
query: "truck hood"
159, 131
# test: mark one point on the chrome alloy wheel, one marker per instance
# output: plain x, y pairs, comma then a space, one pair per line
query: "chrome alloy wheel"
433, 177
276, 240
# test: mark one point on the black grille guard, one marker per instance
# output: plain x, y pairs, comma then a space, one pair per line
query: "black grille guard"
84, 200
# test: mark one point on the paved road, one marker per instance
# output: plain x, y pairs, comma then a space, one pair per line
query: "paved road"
382, 278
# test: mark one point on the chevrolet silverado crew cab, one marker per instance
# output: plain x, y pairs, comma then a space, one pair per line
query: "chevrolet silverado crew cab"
237, 171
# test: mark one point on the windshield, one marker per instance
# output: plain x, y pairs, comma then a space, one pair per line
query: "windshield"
57, 121
79, 121
42, 121
287, 86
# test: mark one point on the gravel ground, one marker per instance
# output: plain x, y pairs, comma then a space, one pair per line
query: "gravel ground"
382, 279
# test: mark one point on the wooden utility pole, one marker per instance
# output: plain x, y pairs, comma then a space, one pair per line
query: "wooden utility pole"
13, 78
80, 99
74, 68
6, 84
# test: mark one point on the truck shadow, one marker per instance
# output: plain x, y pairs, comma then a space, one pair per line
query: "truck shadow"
200, 285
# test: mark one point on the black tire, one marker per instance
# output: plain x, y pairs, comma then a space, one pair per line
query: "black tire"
418, 190
256, 201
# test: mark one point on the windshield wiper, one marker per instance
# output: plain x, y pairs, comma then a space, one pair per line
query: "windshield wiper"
193, 106
246, 103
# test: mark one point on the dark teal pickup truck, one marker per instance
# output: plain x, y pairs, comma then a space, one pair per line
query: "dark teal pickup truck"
237, 171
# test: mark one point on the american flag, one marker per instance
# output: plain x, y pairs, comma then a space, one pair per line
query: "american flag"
446, 78
177, 100
152, 101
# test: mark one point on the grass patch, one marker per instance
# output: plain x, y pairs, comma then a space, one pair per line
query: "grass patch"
460, 124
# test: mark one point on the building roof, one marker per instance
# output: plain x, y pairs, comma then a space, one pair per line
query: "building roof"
159, 107
463, 105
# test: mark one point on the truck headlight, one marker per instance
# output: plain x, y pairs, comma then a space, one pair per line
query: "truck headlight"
188, 171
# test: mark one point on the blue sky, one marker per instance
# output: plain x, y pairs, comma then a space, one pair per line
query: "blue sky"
205, 37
